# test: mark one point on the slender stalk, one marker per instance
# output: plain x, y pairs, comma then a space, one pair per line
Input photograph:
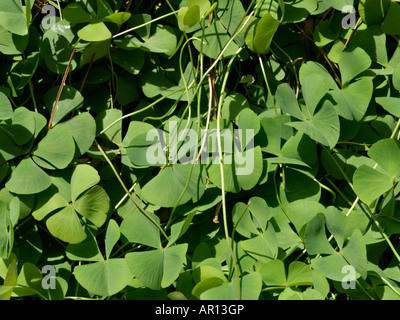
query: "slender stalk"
164, 115
390, 286
60, 89
221, 166
139, 111
144, 24
114, 78
208, 119
339, 167
382, 232
238, 30
198, 128
32, 95
86, 73
327, 189
273, 288
237, 223
127, 191
278, 197
198, 93
352, 33
395, 130
339, 191
353, 206
292, 63
267, 84
124, 197
365, 207
188, 107
365, 291
368, 211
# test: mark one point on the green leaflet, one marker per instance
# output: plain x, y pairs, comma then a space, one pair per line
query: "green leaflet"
379, 181
157, 268
95, 32
88, 200
70, 100
389, 25
5, 109
258, 33
322, 126
373, 11
165, 189
102, 277
28, 178
55, 150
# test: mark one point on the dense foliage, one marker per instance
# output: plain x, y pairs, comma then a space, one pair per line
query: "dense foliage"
85, 213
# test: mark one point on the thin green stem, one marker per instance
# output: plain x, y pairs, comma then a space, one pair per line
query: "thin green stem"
164, 115
365, 207
278, 198
395, 130
365, 291
221, 164
60, 89
198, 129
180, 197
124, 197
273, 288
291, 61
208, 119
267, 84
238, 31
59, 9
141, 110
327, 189
237, 223
144, 24
382, 232
390, 286
188, 107
32, 95
128, 7
120, 249
127, 191
339, 191
339, 167
114, 78
33, 290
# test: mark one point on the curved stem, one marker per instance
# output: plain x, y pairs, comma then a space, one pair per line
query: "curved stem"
267, 84
127, 191
144, 24
237, 223
365, 208
221, 166
139, 111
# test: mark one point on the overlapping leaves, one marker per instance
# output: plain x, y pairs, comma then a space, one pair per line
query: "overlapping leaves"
311, 178
370, 182
63, 209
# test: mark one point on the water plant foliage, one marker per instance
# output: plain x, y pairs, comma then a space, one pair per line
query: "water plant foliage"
103, 103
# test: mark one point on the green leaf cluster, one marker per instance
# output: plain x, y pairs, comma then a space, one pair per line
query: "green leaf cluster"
275, 131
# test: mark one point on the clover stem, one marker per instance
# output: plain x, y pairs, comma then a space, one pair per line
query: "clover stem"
267, 84
127, 191
60, 89
139, 111
221, 165
32, 95
366, 209
145, 24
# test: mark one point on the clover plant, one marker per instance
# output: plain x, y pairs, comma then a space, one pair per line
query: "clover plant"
199, 149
